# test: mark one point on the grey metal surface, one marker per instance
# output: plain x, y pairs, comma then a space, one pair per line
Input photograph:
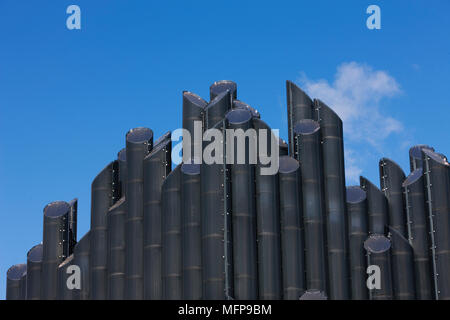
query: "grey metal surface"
14, 282
334, 196
193, 108
64, 292
437, 190
34, 263
115, 266
171, 236
292, 231
122, 159
55, 246
216, 109
221, 86
284, 148
299, 107
237, 104
101, 201
415, 156
139, 143
378, 249
313, 295
73, 216
157, 166
191, 232
358, 231
377, 207
418, 234
243, 212
308, 153
81, 259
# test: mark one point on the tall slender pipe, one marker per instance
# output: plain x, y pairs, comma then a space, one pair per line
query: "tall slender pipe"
157, 166
81, 259
377, 208
193, 108
292, 231
243, 207
299, 107
34, 263
221, 86
358, 231
378, 255
216, 109
55, 246
437, 190
268, 218
415, 156
64, 292
14, 283
335, 209
122, 159
191, 235
139, 142
101, 201
171, 236
73, 224
418, 233
308, 153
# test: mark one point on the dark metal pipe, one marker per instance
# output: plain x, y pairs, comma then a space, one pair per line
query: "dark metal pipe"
237, 104
191, 235
378, 254
193, 108
357, 233
221, 86
116, 217
23, 285
418, 233
34, 262
122, 159
81, 259
55, 246
157, 166
308, 153
14, 282
299, 107
73, 224
216, 109
335, 208
313, 295
139, 142
292, 237
171, 236
243, 210
284, 148
64, 292
415, 156
437, 190
377, 208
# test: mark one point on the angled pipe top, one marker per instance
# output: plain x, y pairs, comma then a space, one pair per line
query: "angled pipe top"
56, 209
325, 113
237, 104
416, 151
139, 135
35, 253
194, 99
122, 155
221, 86
377, 243
413, 177
190, 169
288, 164
238, 116
16, 272
306, 127
296, 96
355, 194
435, 156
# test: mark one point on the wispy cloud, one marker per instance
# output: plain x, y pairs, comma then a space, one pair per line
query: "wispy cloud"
355, 95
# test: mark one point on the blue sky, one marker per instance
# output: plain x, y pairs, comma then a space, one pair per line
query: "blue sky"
67, 97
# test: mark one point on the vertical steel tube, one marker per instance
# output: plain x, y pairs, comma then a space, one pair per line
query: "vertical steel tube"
284, 148
402, 260
437, 190
221, 86
378, 254
55, 246
191, 235
377, 208
415, 156
268, 220
299, 107
292, 237
81, 259
171, 236
72, 224
34, 262
193, 107
122, 159
23, 285
335, 208
116, 217
139, 142
64, 292
157, 166
14, 275
216, 109
418, 233
357, 233
101, 201
308, 153
243, 209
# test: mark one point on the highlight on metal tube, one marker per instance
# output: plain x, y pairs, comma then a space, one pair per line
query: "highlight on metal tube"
216, 109
221, 86
34, 264
193, 108
55, 246
116, 250
157, 165
437, 190
377, 207
73, 216
122, 159
402, 267
292, 231
308, 153
81, 259
418, 236
191, 235
237, 104
358, 232
243, 209
139, 142
299, 107
171, 236
101, 201
64, 291
415, 156
378, 249
23, 285
334, 195
314, 295
14, 282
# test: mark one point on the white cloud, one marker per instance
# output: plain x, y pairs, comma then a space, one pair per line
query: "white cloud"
355, 95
